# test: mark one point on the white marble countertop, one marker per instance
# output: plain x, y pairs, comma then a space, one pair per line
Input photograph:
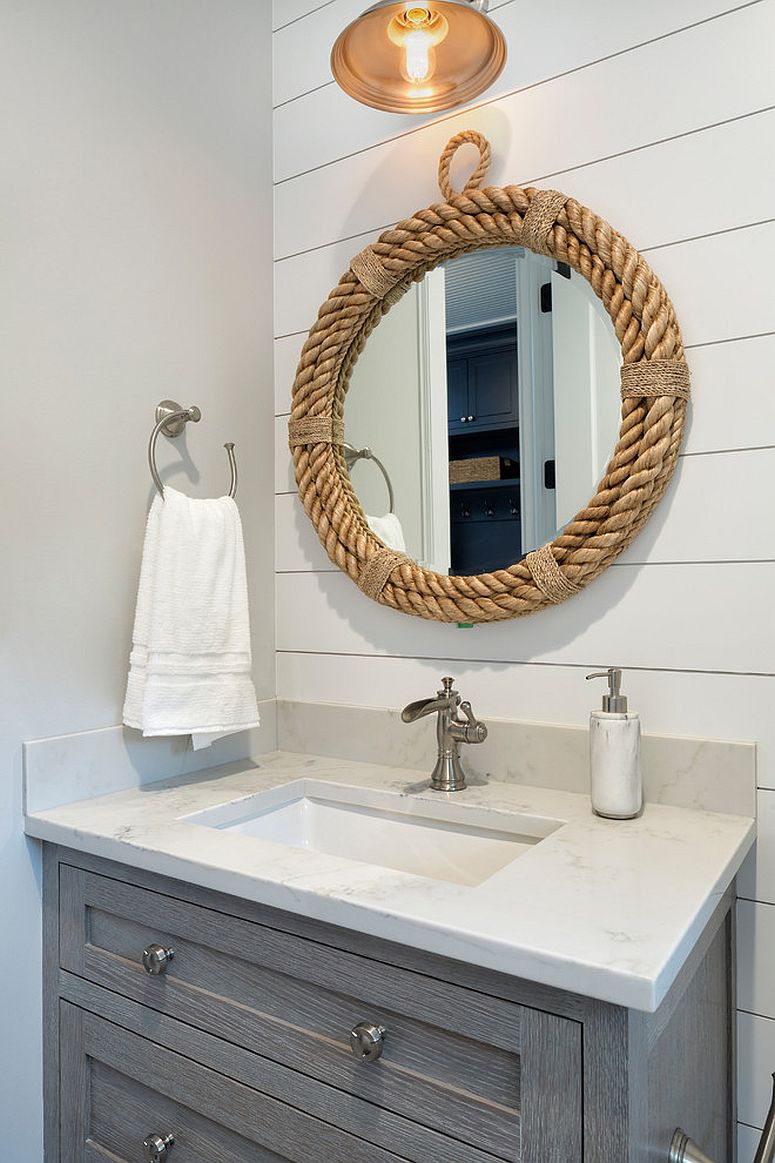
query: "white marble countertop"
610, 909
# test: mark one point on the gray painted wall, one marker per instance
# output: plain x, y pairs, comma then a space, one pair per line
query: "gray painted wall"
135, 235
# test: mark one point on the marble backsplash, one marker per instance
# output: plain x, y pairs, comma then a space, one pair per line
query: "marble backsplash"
712, 775
68, 768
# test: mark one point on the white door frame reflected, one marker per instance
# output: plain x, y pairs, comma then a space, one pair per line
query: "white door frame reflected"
434, 429
538, 509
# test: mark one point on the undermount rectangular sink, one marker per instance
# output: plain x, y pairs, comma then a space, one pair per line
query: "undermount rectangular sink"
446, 841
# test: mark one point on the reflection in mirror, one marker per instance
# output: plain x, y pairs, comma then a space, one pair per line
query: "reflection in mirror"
483, 410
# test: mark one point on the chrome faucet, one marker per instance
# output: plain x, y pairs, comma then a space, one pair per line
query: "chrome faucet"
451, 731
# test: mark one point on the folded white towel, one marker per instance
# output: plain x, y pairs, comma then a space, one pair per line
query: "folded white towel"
190, 664
388, 529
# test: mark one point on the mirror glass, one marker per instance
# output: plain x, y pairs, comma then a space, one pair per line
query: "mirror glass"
483, 410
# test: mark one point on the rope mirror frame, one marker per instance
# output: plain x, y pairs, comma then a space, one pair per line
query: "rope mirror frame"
655, 395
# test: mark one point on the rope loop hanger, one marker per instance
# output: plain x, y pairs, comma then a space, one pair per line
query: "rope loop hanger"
466, 137
171, 419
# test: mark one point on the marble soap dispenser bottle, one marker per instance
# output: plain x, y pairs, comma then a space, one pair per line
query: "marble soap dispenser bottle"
614, 753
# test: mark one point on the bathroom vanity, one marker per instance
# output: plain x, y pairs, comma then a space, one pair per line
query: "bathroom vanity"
222, 983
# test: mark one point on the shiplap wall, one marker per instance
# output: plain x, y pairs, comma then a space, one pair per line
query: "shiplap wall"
662, 117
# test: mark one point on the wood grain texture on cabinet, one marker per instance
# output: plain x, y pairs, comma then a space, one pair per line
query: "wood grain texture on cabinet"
201, 1097
351, 1113
51, 1038
586, 1085
552, 1072
698, 1040
432, 965
282, 996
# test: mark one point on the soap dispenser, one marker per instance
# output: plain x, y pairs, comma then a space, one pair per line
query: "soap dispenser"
614, 753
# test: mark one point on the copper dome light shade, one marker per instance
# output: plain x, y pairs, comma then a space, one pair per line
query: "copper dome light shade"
419, 57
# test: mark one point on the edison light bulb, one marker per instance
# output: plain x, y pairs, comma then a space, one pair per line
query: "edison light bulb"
416, 31
418, 56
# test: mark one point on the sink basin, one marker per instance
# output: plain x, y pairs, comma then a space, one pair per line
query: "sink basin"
455, 842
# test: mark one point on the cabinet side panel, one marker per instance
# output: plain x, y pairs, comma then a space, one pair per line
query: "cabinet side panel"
689, 1067
50, 1004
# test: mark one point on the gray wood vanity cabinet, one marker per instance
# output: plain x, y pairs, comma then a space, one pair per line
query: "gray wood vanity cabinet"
239, 1049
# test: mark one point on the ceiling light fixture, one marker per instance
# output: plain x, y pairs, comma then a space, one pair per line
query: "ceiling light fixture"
419, 58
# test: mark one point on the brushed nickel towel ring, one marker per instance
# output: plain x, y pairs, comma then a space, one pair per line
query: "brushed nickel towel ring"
171, 419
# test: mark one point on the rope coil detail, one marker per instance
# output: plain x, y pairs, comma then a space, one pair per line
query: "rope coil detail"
655, 391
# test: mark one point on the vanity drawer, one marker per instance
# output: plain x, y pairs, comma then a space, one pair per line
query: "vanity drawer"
451, 1057
455, 1061
117, 1089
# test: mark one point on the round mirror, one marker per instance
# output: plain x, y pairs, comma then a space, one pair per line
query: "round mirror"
483, 411
456, 401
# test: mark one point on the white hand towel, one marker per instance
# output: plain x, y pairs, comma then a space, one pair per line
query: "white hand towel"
388, 529
190, 664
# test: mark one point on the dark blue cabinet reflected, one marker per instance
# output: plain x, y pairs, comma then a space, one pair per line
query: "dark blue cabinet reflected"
483, 418
482, 379
485, 526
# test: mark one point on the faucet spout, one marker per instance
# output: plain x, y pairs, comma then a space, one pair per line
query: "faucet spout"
421, 708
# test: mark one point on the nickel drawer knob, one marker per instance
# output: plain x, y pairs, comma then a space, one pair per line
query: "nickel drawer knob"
155, 961
367, 1041
158, 1147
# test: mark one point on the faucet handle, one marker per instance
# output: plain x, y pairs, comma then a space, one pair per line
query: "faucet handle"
468, 711
475, 732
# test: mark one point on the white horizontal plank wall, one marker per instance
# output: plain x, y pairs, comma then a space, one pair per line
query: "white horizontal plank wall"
661, 117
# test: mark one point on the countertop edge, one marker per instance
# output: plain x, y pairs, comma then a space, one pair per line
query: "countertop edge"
616, 987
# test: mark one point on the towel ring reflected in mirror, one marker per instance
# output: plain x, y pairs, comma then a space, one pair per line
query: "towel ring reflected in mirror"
353, 455
171, 419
